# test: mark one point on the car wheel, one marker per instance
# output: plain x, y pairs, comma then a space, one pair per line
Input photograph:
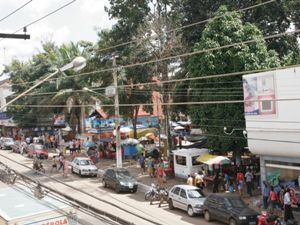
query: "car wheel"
232, 222
80, 173
118, 189
207, 216
72, 170
134, 190
171, 206
190, 211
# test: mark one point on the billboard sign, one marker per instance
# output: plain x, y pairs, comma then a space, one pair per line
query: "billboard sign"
259, 94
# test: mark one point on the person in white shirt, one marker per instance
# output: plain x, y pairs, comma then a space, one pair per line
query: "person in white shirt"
288, 213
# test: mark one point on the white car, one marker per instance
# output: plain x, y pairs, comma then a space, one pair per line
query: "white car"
6, 143
188, 198
84, 167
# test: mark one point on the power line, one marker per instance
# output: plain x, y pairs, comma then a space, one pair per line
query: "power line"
189, 25
16, 10
43, 17
150, 104
171, 57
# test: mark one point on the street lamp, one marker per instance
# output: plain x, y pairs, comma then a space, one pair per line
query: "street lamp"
233, 130
77, 64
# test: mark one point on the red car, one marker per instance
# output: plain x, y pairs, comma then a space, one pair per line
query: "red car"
39, 150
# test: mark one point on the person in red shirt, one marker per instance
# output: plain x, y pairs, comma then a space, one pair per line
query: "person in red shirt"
240, 181
273, 199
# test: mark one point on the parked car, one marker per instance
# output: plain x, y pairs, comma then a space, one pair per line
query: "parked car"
84, 166
120, 180
188, 198
6, 143
39, 150
229, 208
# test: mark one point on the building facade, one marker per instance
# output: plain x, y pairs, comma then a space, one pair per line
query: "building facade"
272, 113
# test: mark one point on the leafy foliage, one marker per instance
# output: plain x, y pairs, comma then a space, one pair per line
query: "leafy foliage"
213, 117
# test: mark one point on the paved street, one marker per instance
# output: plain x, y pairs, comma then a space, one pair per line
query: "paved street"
137, 209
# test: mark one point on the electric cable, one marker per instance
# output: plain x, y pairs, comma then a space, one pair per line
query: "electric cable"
16, 10
151, 104
189, 25
43, 17
176, 57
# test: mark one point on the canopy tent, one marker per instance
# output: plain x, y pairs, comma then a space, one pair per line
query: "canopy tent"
205, 157
219, 160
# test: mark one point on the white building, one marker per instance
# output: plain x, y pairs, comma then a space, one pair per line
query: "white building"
272, 113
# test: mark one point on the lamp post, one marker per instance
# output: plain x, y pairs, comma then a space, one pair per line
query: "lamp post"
77, 64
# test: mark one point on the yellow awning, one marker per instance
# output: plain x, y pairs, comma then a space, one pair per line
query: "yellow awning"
205, 157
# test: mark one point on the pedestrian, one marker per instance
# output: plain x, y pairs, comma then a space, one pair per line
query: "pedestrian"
189, 180
240, 181
230, 187
288, 213
66, 166
216, 182
150, 166
61, 162
272, 199
265, 194
198, 180
160, 175
54, 163
249, 180
77, 145
142, 163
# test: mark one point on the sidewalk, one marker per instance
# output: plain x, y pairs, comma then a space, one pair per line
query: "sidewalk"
145, 182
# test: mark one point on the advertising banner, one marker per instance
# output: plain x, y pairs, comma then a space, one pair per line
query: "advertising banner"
259, 94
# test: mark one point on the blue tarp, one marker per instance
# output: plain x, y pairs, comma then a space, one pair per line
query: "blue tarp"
129, 150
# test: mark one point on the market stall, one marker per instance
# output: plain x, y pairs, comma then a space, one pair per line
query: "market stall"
185, 161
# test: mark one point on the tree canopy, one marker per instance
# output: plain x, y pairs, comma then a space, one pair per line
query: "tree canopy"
213, 117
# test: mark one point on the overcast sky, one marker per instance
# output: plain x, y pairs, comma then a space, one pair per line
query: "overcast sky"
77, 21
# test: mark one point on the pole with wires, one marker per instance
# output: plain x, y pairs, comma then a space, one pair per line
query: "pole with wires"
117, 114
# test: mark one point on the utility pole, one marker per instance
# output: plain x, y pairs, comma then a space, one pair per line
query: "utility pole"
117, 114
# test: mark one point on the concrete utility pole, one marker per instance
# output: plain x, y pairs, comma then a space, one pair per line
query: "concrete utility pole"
117, 115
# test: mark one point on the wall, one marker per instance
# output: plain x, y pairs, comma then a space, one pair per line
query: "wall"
277, 131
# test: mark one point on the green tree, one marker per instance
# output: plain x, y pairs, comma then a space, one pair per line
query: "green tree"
273, 18
213, 117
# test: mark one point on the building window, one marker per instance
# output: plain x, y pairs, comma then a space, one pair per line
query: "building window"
180, 160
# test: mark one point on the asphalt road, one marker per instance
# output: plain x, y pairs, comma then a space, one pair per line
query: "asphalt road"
137, 210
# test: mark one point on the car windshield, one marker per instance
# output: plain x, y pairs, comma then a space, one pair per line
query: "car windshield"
195, 193
236, 203
39, 147
85, 162
8, 140
123, 173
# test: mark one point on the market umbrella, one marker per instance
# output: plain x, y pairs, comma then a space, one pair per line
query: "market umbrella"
150, 135
178, 128
205, 157
130, 141
219, 160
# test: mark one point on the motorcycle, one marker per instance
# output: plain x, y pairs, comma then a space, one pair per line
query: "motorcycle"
152, 193
38, 167
268, 219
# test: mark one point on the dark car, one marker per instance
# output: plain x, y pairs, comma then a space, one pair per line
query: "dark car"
229, 208
37, 149
120, 180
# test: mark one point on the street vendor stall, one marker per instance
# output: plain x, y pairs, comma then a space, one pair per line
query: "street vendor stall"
185, 161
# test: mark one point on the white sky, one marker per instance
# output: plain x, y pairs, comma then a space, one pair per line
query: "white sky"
77, 21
